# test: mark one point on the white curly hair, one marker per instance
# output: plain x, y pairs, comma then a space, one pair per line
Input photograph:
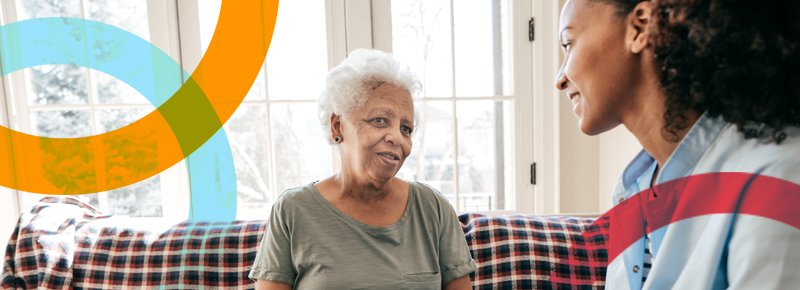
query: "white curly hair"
347, 85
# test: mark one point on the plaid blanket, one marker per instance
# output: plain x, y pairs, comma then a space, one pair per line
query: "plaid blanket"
63, 243
537, 252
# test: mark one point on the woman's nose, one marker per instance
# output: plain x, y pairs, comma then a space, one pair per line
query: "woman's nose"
395, 138
561, 80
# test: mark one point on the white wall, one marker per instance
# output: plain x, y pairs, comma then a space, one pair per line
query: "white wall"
617, 147
580, 164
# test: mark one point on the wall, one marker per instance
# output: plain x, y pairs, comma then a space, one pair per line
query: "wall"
580, 163
617, 147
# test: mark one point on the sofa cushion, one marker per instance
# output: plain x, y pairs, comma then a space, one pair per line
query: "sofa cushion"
536, 252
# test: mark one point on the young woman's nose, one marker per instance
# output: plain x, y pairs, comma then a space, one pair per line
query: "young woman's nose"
561, 79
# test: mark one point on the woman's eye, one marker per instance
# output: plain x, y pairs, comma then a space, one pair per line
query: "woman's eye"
407, 129
380, 120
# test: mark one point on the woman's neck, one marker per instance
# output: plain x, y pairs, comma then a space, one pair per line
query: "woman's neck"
646, 122
366, 191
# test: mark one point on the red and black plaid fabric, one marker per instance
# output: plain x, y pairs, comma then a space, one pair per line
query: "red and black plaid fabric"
63, 243
536, 252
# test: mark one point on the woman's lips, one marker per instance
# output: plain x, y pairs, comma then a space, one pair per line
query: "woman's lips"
389, 159
575, 98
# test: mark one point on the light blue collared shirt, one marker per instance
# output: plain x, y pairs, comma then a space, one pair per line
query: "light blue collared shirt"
711, 145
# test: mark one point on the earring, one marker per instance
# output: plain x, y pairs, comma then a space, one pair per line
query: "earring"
337, 139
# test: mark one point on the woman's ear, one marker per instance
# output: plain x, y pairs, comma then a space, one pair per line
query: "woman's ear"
336, 126
639, 26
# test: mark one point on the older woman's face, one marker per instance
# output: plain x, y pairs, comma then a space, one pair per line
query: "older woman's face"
377, 135
597, 70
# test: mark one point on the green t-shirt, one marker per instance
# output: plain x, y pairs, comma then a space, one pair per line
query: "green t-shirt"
310, 244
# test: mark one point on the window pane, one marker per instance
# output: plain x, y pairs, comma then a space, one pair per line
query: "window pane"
27, 9
128, 15
301, 154
257, 91
421, 39
69, 85
297, 61
484, 160
56, 85
209, 14
62, 124
247, 134
110, 90
481, 48
142, 199
431, 159
112, 119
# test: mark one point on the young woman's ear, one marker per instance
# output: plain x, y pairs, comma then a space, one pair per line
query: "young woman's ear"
639, 26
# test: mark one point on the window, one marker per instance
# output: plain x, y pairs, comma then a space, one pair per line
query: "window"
474, 144
462, 53
69, 101
286, 149
275, 137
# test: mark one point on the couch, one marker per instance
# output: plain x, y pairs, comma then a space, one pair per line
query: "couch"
64, 243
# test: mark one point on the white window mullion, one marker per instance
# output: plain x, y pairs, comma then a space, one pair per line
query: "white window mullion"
270, 152
358, 24
10, 210
171, 33
454, 115
337, 52
91, 92
336, 32
16, 98
382, 25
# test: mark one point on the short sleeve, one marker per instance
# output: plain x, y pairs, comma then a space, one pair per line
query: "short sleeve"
274, 257
455, 260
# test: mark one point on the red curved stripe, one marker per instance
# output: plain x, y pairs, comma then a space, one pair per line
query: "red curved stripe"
697, 195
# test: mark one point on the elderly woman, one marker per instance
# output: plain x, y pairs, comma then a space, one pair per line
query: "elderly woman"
364, 228
710, 90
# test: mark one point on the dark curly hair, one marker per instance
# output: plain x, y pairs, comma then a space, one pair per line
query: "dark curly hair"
735, 58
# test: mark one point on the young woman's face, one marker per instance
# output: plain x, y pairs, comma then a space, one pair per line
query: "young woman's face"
598, 70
